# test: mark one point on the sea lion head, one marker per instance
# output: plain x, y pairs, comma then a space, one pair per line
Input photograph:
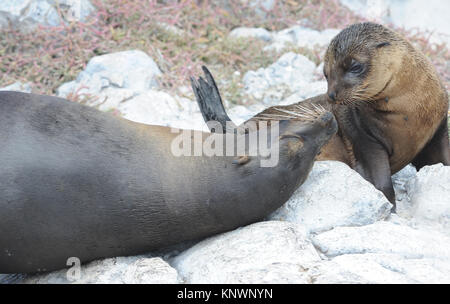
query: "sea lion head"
361, 62
302, 138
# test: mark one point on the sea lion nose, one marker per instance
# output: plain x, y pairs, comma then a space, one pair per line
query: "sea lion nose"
332, 96
328, 121
325, 119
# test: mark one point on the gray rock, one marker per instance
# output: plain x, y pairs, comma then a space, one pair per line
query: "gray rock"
159, 108
399, 181
240, 114
292, 72
246, 32
261, 7
19, 87
429, 196
120, 270
172, 29
409, 14
334, 195
267, 252
384, 238
306, 91
6, 19
301, 37
380, 269
73, 10
29, 13
114, 78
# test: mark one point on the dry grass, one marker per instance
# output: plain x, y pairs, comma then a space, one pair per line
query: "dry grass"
50, 56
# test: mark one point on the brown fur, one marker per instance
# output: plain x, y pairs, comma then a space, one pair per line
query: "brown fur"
417, 100
388, 100
396, 107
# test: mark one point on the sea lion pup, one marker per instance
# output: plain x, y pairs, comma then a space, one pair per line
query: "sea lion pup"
389, 102
77, 182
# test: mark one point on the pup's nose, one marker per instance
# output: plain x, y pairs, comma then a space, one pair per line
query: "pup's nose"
332, 96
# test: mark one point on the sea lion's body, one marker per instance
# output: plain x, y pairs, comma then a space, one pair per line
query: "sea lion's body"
76, 182
389, 102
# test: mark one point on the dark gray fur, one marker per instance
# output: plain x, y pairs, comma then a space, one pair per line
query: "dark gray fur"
76, 182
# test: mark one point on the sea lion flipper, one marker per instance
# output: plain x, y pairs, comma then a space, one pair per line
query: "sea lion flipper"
209, 100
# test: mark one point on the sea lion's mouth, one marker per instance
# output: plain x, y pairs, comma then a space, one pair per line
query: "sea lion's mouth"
325, 119
360, 97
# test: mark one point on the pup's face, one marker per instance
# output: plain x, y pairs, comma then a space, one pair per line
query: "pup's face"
358, 65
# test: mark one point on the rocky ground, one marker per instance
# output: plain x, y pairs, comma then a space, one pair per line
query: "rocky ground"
337, 228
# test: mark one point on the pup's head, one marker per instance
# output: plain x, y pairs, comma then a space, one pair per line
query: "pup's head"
360, 63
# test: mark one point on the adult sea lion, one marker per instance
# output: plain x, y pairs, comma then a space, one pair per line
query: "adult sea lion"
76, 182
387, 97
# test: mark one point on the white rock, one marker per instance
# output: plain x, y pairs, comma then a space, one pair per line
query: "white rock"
240, 114
267, 252
302, 37
376, 10
334, 195
159, 108
306, 91
429, 196
74, 9
45, 12
431, 15
380, 269
245, 32
292, 72
171, 28
120, 270
384, 237
399, 181
261, 7
19, 87
114, 78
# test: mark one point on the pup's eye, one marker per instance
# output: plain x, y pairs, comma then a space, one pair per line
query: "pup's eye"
356, 67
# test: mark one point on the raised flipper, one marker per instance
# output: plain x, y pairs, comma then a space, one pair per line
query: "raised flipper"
210, 102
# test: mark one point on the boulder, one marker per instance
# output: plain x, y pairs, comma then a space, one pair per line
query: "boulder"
19, 87
249, 32
399, 181
408, 14
114, 78
304, 37
26, 14
266, 252
384, 238
291, 73
334, 195
428, 194
159, 108
239, 114
120, 270
381, 269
